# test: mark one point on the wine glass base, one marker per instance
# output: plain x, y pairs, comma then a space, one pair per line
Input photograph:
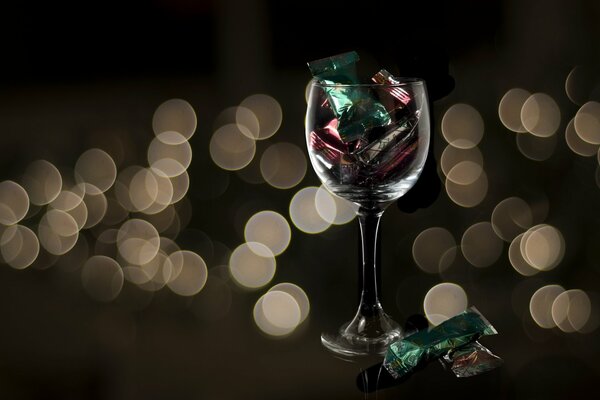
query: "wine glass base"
351, 343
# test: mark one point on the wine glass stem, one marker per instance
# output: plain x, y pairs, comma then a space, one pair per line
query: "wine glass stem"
368, 219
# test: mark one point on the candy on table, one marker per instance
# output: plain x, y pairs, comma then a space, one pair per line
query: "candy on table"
427, 345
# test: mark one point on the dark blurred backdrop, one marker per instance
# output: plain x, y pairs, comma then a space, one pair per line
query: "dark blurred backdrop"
75, 76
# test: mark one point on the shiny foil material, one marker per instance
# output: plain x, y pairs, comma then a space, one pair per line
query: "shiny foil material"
340, 68
362, 115
470, 360
424, 346
384, 77
355, 110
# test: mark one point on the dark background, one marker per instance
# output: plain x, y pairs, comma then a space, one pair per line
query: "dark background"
71, 72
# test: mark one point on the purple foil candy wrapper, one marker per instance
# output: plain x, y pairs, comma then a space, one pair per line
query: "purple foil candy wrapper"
384, 77
471, 360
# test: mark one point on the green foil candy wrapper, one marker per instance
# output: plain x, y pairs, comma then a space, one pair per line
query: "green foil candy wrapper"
470, 360
363, 114
336, 69
463, 329
355, 110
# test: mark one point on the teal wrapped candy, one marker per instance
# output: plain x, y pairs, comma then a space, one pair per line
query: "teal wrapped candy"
356, 112
336, 69
463, 329
362, 115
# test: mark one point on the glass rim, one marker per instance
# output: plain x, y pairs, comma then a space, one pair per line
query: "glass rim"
403, 82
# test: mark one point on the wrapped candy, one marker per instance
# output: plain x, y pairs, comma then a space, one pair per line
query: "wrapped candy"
363, 114
378, 140
384, 77
406, 354
355, 110
470, 360
336, 69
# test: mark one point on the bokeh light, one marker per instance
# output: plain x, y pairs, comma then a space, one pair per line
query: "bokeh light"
226, 116
480, 245
540, 305
471, 194
580, 309
42, 181
540, 115
298, 294
14, 203
465, 173
444, 301
434, 250
536, 148
571, 310
139, 276
560, 311
325, 204
19, 246
175, 115
72, 203
462, 126
170, 159
510, 217
593, 321
343, 212
269, 228
123, 188
150, 191
517, 261
283, 165
277, 313
57, 232
61, 222
96, 206
96, 167
143, 189
451, 156
304, 213
153, 275
247, 121
192, 273
587, 122
543, 247
267, 112
102, 278
180, 185
509, 109
230, 148
578, 145
138, 241
252, 265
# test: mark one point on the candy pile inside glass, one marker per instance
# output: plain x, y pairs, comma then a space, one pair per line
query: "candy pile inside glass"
366, 134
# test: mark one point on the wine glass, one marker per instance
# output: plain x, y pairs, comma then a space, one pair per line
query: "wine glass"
368, 144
